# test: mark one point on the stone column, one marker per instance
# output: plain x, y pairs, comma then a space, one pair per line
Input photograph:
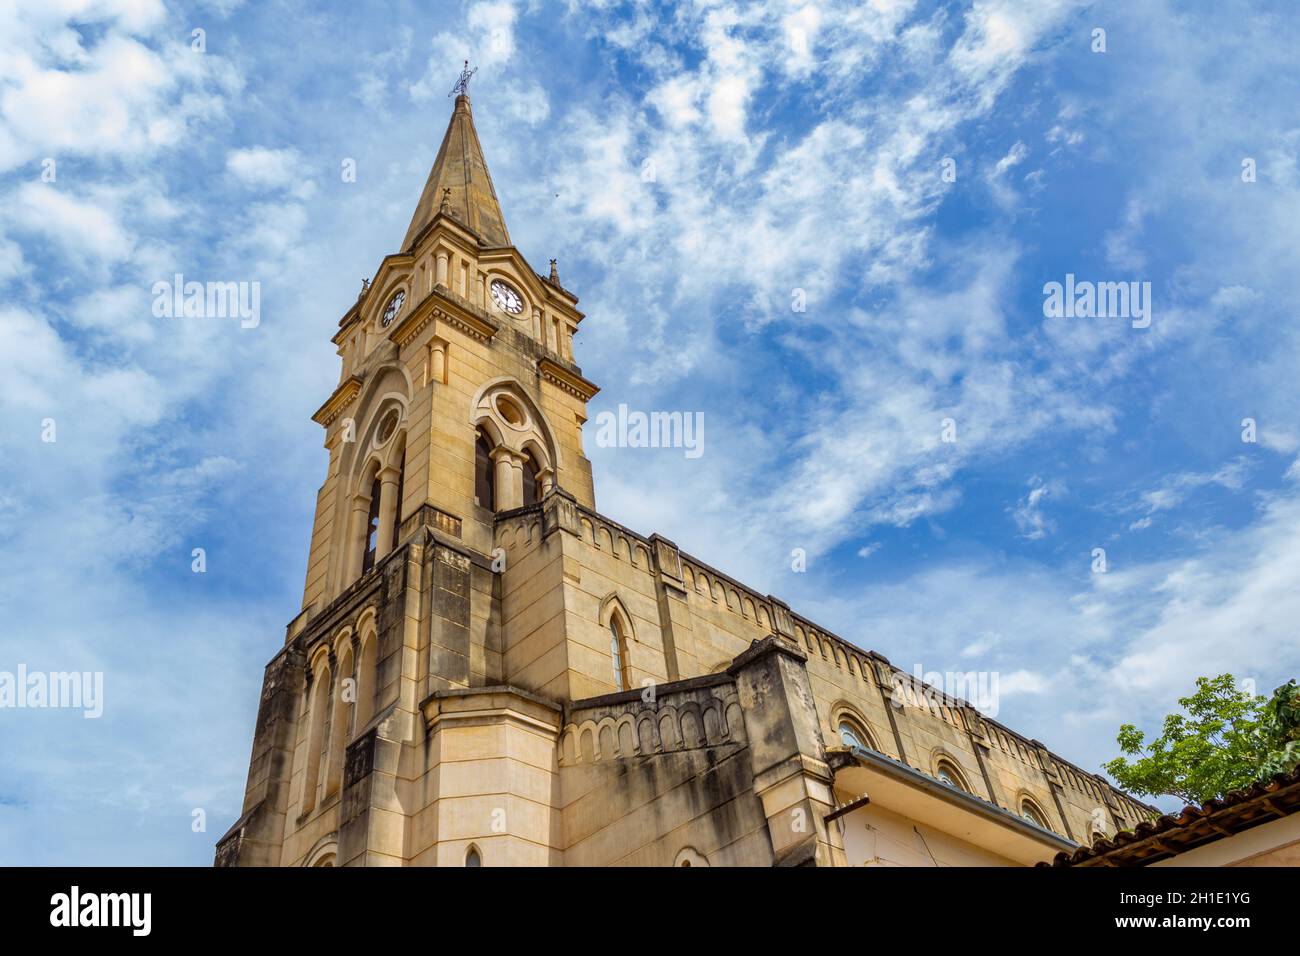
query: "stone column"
388, 505
437, 361
442, 268
509, 479
356, 538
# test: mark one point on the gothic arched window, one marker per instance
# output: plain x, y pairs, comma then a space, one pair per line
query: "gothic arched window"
397, 505
618, 655
365, 705
852, 736
340, 721
532, 486
318, 701
484, 477
372, 527
950, 775
1031, 813
473, 858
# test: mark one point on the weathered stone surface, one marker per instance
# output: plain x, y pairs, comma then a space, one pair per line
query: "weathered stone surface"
485, 715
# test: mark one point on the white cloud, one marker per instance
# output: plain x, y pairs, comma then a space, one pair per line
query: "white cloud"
1028, 513
270, 169
1022, 682
1175, 489
86, 230
487, 41
1003, 194
119, 97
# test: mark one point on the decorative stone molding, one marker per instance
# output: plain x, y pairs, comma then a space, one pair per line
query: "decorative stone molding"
415, 322
343, 396
567, 381
884, 673
976, 726
782, 623
686, 715
667, 560
443, 305
1047, 763
430, 516
560, 513
497, 702
477, 327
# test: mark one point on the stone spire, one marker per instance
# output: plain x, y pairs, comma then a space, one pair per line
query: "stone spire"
460, 186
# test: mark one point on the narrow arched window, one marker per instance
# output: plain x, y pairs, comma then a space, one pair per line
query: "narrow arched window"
318, 701
365, 706
850, 736
372, 527
1033, 815
618, 655
472, 858
951, 776
340, 724
397, 505
532, 487
484, 477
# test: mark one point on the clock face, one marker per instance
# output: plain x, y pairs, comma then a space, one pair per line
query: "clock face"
506, 298
394, 306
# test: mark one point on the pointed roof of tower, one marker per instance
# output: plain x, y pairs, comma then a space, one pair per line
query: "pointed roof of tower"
459, 184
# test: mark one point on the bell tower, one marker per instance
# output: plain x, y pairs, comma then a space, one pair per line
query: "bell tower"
458, 394
486, 671
457, 417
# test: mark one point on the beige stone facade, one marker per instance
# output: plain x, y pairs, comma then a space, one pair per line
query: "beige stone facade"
487, 671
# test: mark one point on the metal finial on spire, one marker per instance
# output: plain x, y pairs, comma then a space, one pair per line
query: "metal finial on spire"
462, 84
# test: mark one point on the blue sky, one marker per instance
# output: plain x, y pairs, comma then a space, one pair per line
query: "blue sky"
794, 146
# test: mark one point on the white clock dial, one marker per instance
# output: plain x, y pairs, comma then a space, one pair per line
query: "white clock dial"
394, 307
506, 298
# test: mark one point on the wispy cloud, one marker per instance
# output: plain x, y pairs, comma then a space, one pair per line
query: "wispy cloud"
751, 201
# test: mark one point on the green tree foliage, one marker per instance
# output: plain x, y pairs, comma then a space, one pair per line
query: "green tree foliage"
1280, 724
1224, 739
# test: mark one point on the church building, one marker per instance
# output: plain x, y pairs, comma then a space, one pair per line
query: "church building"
487, 671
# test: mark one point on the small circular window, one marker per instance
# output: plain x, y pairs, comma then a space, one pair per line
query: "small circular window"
509, 411
386, 428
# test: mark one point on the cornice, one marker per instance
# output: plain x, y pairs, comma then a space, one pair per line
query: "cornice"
442, 305
566, 380
414, 322
336, 403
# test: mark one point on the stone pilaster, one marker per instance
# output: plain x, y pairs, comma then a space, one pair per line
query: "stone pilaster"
791, 777
257, 837
372, 821
674, 612
449, 619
